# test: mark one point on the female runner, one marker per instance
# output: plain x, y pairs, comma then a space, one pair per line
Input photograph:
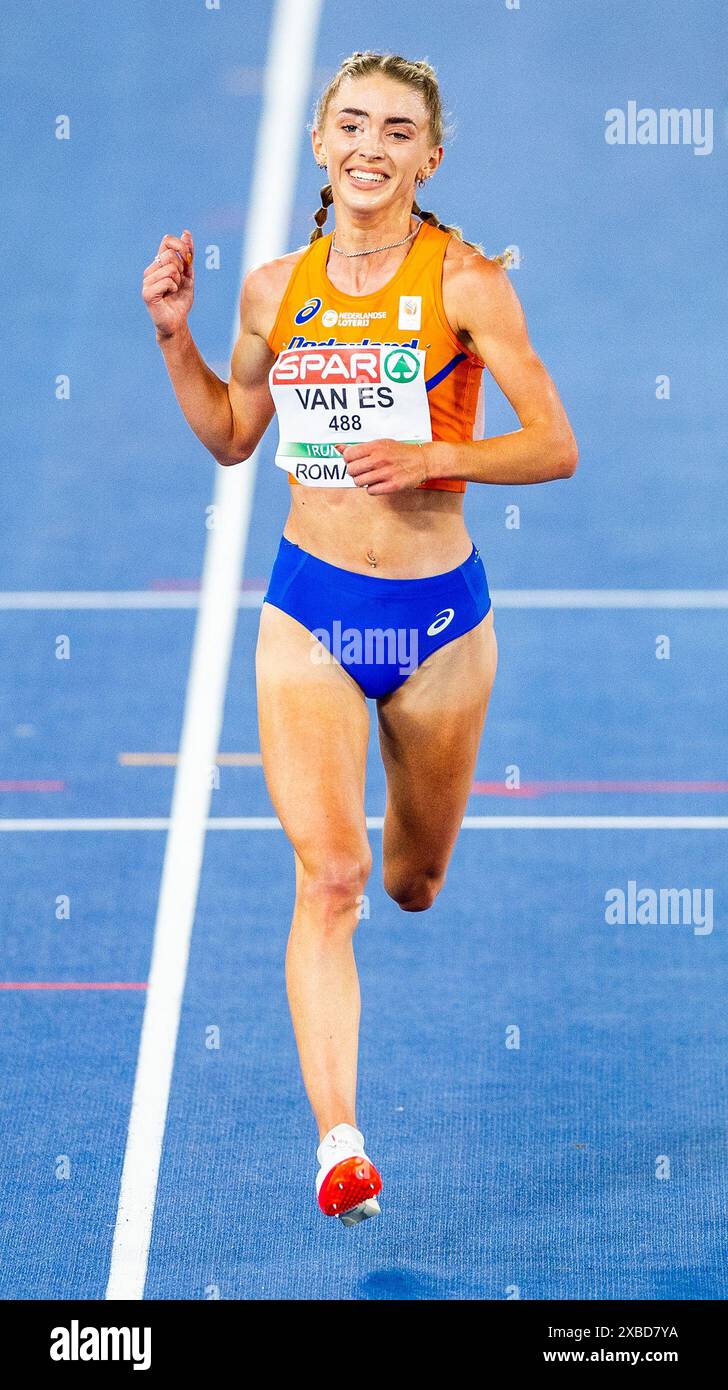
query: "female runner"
369, 344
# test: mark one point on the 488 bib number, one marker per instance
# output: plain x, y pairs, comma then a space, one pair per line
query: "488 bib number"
345, 422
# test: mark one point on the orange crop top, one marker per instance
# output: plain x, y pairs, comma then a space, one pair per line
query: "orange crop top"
408, 311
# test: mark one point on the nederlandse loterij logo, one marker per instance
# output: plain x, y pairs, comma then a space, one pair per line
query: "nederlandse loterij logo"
401, 365
308, 310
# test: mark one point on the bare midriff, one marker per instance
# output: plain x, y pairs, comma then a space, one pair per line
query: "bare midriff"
400, 535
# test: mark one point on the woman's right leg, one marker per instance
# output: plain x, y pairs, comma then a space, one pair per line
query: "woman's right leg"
314, 732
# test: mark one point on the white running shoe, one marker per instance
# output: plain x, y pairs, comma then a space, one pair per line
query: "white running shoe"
347, 1183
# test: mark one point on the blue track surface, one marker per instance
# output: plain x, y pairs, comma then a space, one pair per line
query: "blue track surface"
536, 1166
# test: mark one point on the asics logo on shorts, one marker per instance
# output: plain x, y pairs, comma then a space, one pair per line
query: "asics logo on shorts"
440, 621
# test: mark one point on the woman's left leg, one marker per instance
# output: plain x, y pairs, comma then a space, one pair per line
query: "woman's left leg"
429, 734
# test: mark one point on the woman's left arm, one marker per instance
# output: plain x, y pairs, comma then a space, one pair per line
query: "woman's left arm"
484, 310
483, 307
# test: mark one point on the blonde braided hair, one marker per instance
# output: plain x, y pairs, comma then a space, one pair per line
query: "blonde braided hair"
420, 75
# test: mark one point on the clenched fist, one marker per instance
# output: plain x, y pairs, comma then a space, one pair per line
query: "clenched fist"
168, 286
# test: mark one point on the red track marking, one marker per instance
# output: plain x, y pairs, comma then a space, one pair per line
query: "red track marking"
73, 984
31, 785
192, 585
531, 789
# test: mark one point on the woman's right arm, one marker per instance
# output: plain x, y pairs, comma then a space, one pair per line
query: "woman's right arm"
230, 418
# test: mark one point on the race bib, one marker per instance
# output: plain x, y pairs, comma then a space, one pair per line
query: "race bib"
326, 396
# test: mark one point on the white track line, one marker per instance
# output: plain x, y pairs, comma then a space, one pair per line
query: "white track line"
86, 823
120, 598
286, 92
595, 823
610, 598
376, 823
253, 598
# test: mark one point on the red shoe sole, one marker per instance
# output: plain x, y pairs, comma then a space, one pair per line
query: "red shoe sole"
348, 1184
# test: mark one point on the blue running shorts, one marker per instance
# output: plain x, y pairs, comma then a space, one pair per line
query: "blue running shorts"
379, 630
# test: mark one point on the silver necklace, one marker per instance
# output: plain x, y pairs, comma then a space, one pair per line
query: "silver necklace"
374, 249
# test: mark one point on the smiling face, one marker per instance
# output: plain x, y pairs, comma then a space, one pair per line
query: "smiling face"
376, 142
